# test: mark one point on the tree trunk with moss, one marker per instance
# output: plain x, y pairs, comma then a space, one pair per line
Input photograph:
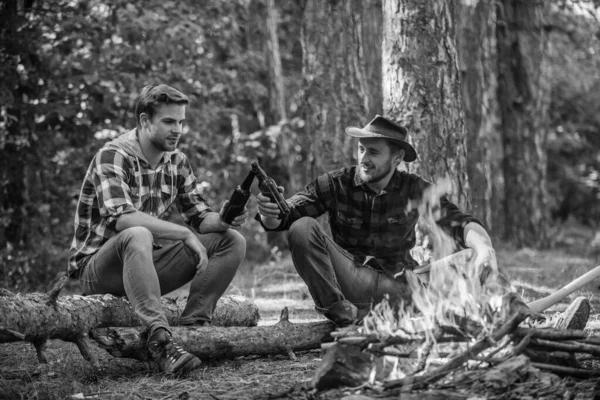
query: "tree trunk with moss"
421, 88
341, 42
476, 46
524, 98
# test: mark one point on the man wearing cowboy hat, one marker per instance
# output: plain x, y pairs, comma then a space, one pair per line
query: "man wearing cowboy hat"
372, 226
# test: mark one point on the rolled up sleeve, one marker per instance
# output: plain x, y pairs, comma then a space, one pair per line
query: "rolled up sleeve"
190, 201
112, 189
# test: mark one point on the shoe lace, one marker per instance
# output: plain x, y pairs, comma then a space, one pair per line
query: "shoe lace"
173, 351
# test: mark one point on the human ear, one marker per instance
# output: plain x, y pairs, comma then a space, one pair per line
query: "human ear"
144, 120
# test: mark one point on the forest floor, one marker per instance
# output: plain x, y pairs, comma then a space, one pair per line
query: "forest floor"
272, 286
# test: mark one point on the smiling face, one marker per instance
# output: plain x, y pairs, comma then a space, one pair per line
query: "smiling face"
376, 162
165, 127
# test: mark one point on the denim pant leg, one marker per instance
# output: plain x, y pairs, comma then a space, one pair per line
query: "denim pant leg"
330, 272
226, 251
123, 266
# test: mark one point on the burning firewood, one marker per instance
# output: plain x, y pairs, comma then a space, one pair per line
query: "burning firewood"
499, 335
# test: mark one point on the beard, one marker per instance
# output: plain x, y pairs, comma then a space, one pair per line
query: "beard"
372, 178
165, 145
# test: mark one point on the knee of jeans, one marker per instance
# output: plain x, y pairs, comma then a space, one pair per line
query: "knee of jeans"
237, 243
138, 237
299, 230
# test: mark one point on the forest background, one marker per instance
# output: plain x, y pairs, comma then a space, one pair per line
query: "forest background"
507, 106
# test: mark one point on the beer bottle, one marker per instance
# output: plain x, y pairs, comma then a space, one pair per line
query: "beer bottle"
268, 187
239, 198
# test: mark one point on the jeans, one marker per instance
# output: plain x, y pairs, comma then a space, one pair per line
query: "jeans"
128, 265
332, 275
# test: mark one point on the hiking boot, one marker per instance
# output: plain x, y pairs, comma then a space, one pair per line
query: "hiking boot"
169, 356
576, 315
342, 313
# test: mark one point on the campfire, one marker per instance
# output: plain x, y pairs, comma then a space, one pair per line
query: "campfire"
459, 333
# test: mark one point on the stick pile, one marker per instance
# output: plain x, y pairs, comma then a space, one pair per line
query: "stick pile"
513, 353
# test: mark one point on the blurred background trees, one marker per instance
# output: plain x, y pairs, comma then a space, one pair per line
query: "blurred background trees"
278, 81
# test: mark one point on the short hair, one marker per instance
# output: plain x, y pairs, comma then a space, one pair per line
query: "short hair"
151, 96
396, 148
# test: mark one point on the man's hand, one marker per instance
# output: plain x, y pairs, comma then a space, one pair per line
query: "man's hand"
213, 222
485, 262
194, 244
268, 210
237, 221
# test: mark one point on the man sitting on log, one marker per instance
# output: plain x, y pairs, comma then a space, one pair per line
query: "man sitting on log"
129, 185
372, 216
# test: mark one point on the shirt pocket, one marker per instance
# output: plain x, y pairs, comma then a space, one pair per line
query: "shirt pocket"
398, 219
350, 221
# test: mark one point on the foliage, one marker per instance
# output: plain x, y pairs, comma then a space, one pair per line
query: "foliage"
69, 73
70, 70
573, 143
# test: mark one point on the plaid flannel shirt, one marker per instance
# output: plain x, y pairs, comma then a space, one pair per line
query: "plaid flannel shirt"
119, 180
373, 227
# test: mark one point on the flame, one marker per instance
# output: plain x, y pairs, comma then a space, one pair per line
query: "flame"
450, 296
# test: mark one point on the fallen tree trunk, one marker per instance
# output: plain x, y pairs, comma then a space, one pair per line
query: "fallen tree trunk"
29, 317
216, 342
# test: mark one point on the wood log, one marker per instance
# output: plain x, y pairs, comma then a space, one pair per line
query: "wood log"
33, 318
218, 342
344, 365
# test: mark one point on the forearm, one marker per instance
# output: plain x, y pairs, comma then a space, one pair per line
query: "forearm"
160, 229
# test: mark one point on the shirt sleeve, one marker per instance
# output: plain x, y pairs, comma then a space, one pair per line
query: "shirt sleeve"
190, 201
313, 202
110, 180
452, 220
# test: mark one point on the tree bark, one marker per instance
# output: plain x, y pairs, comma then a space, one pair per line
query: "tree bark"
29, 317
215, 342
523, 97
476, 47
276, 90
342, 70
421, 87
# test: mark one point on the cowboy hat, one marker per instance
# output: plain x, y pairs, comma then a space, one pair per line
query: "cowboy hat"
381, 127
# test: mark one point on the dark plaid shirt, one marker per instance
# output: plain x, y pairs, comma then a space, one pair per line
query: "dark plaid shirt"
119, 180
369, 224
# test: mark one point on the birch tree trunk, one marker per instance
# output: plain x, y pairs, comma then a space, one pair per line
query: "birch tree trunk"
421, 88
341, 67
524, 99
476, 45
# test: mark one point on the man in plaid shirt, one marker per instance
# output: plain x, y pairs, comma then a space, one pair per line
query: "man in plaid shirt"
129, 185
372, 225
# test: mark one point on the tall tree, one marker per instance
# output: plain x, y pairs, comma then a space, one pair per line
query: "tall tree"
476, 45
342, 72
421, 87
523, 95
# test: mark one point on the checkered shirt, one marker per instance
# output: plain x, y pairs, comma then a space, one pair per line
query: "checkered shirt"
117, 182
371, 226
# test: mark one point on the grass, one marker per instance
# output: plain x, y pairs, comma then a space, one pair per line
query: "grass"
273, 286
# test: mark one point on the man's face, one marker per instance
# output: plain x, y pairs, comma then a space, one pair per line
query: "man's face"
375, 160
166, 126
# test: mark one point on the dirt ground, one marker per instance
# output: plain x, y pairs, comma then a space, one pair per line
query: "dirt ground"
273, 286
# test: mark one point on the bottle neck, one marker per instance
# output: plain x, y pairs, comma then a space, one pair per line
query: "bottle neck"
248, 181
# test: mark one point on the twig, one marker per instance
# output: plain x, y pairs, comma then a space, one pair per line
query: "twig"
552, 334
560, 370
458, 360
571, 347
